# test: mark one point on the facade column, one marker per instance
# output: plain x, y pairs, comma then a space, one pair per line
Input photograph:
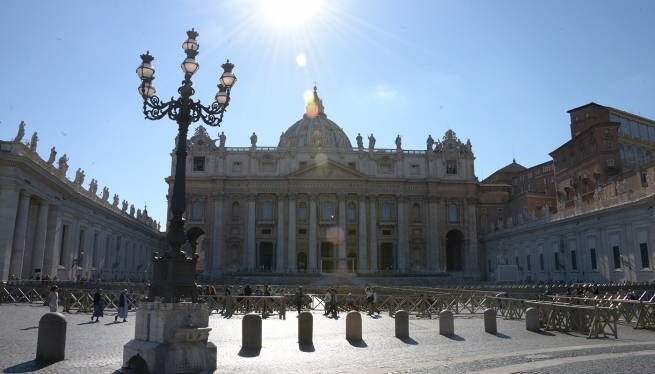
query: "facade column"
291, 259
280, 251
9, 203
472, 260
215, 264
38, 249
362, 256
20, 235
433, 229
342, 229
373, 225
52, 242
401, 245
251, 259
313, 251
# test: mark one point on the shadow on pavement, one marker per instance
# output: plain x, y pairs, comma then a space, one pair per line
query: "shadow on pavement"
306, 347
545, 333
456, 337
358, 344
28, 367
409, 341
29, 328
243, 352
502, 336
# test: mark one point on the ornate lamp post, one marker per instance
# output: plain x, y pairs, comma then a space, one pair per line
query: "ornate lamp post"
174, 273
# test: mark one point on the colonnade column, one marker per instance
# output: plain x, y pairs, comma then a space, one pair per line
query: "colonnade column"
373, 224
473, 261
215, 263
433, 229
313, 251
342, 227
9, 202
401, 246
362, 233
38, 248
291, 259
20, 235
251, 259
279, 261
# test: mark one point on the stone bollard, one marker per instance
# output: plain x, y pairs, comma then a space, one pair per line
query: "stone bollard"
532, 319
402, 324
251, 331
354, 326
446, 323
490, 321
51, 343
305, 328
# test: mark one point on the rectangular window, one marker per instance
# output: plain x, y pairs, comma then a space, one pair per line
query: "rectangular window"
266, 231
645, 261
608, 144
593, 148
530, 175
617, 257
302, 213
451, 167
302, 231
556, 261
651, 132
610, 162
198, 164
236, 166
574, 261
352, 232
268, 166
541, 261
385, 232
351, 213
634, 127
572, 159
528, 263
592, 255
414, 170
625, 125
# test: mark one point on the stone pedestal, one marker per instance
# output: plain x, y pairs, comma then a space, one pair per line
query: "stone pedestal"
354, 326
171, 338
402, 324
532, 320
446, 323
51, 344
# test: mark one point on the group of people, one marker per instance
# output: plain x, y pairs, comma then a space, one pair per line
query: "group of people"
240, 292
331, 300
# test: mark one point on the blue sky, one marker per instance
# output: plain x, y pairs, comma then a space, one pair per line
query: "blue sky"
501, 73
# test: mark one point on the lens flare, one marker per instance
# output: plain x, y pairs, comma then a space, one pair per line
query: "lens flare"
335, 235
308, 96
301, 60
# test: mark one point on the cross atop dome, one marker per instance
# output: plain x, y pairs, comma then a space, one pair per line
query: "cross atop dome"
314, 106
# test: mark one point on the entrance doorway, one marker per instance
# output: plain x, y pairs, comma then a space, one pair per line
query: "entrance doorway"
266, 255
386, 256
302, 261
327, 250
352, 265
454, 244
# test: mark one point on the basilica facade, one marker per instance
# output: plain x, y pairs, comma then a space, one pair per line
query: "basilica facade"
317, 202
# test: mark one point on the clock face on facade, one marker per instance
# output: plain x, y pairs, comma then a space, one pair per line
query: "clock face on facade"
451, 146
200, 142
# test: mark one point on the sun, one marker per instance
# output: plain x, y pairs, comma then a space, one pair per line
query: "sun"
290, 13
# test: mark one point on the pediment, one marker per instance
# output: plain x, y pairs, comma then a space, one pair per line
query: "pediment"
327, 169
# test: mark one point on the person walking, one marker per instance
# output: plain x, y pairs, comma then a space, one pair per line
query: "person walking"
327, 301
98, 305
299, 299
369, 300
333, 302
53, 298
247, 292
374, 304
122, 307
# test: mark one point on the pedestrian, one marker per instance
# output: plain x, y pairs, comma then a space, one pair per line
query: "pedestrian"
333, 302
299, 299
327, 299
247, 292
369, 300
98, 305
374, 304
350, 301
266, 292
122, 307
53, 298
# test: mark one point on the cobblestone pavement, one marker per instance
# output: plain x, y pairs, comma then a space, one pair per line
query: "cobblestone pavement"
97, 347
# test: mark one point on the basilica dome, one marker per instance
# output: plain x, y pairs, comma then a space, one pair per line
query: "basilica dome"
315, 130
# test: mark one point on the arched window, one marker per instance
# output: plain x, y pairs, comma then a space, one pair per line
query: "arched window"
416, 213
640, 156
453, 213
622, 152
267, 210
649, 156
327, 210
352, 212
196, 210
630, 153
386, 211
236, 210
302, 211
